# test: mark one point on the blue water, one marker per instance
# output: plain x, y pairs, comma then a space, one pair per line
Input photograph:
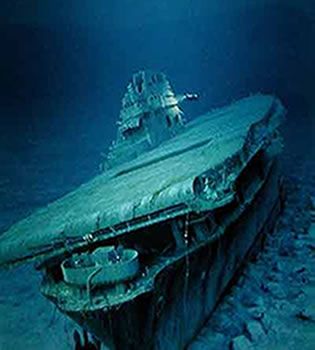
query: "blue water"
64, 66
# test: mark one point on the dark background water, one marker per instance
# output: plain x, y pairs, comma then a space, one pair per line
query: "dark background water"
64, 66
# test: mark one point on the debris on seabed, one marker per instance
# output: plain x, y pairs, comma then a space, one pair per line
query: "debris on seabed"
272, 306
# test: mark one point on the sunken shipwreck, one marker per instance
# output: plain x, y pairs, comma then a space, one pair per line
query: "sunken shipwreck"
140, 255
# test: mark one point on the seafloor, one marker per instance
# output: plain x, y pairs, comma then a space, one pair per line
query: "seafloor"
270, 306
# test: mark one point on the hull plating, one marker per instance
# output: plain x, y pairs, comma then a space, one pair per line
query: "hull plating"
186, 293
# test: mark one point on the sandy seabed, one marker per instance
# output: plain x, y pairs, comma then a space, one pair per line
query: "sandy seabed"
27, 320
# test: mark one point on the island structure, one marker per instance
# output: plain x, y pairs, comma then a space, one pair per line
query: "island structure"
141, 254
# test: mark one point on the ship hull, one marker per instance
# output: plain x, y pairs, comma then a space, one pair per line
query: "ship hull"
185, 293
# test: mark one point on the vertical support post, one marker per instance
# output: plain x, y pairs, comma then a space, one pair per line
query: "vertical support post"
178, 233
